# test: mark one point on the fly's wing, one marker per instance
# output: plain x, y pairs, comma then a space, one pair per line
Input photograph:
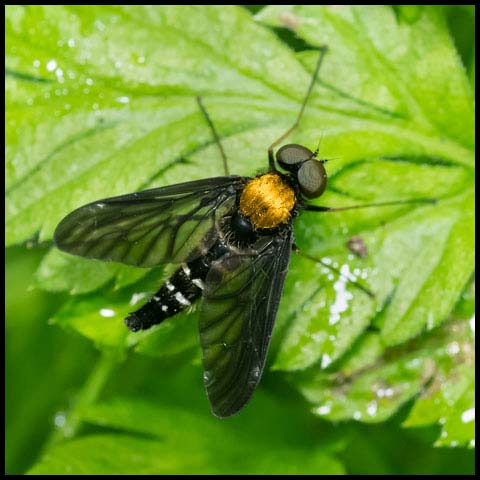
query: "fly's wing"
163, 225
240, 303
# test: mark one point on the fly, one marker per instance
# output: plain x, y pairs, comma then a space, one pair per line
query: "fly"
232, 238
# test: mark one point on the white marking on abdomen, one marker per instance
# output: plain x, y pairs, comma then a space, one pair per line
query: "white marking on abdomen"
181, 299
198, 282
186, 270
170, 287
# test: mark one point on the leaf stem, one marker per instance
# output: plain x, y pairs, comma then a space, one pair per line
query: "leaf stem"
67, 426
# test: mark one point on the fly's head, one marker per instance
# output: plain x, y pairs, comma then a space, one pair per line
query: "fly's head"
302, 163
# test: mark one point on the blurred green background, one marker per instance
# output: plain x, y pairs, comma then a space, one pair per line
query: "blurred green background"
74, 405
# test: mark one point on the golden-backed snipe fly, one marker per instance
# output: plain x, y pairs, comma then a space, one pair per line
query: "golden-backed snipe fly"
232, 238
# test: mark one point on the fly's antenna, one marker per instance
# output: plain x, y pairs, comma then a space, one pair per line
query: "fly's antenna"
323, 50
315, 153
215, 135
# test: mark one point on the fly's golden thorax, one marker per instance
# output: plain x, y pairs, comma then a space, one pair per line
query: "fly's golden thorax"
267, 201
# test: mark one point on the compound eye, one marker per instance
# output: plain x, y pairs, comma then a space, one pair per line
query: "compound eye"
292, 155
312, 178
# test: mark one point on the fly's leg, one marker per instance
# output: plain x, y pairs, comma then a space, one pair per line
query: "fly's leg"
271, 160
214, 133
317, 208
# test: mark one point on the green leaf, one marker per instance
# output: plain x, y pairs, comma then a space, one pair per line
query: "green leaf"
161, 435
408, 13
459, 428
450, 398
449, 401
60, 271
465, 308
461, 22
371, 383
386, 63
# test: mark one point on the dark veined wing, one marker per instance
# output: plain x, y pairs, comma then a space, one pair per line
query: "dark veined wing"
144, 229
240, 303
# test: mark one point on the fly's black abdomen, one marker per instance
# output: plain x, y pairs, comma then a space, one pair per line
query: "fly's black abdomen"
179, 292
